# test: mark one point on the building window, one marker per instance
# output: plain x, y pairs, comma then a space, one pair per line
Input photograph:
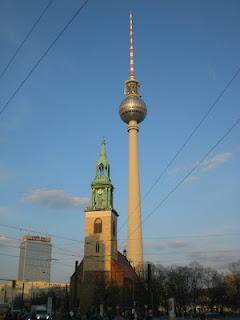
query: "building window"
97, 247
98, 226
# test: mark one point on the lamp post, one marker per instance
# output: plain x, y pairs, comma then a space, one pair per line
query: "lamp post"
23, 294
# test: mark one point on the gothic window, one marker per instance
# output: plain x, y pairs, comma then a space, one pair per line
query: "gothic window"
97, 247
98, 226
101, 170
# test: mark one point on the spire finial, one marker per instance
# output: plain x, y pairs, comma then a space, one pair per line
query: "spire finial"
131, 49
103, 148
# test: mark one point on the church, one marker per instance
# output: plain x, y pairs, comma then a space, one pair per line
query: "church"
103, 265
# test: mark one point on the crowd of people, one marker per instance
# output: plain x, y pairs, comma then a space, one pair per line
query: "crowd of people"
24, 315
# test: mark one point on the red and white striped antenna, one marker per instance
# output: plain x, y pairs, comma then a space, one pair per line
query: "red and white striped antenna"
131, 49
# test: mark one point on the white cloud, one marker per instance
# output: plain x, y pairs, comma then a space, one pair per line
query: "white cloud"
55, 199
214, 162
179, 243
207, 165
191, 179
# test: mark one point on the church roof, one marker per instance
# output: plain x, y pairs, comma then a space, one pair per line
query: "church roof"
124, 266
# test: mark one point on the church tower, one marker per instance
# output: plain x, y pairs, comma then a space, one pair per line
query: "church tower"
100, 247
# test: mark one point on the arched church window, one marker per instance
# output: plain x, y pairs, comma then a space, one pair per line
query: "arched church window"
101, 170
98, 226
97, 247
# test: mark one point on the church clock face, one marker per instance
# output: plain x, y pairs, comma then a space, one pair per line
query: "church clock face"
100, 191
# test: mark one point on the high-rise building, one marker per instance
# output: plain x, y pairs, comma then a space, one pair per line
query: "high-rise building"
35, 259
133, 111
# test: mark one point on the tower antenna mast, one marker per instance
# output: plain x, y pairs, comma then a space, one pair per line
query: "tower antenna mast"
131, 49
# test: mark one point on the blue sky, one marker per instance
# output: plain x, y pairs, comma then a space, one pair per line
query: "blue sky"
50, 134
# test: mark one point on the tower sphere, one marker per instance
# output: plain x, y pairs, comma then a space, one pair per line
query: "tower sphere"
132, 108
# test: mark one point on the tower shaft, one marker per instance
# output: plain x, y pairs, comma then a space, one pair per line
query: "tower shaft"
135, 250
132, 111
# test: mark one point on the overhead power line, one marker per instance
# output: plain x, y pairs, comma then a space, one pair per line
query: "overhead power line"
4, 107
34, 265
66, 252
19, 239
39, 232
156, 254
25, 39
189, 137
201, 236
174, 189
171, 191
195, 129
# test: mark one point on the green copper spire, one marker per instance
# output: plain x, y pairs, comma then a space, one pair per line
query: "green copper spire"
102, 166
102, 189
103, 150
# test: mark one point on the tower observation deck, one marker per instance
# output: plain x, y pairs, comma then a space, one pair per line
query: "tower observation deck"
132, 111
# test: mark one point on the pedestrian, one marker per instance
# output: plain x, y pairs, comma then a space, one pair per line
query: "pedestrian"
8, 315
118, 316
33, 316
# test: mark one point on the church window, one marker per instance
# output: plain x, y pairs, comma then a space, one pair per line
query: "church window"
101, 170
98, 226
97, 247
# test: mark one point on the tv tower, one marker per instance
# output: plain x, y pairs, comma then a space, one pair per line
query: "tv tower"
132, 111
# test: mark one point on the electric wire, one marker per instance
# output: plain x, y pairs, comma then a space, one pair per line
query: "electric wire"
25, 39
97, 258
4, 107
161, 252
181, 181
39, 232
34, 265
61, 254
176, 154
189, 137
201, 236
101, 258
69, 252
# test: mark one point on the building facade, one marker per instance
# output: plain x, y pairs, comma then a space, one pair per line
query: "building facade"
103, 265
35, 259
101, 221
